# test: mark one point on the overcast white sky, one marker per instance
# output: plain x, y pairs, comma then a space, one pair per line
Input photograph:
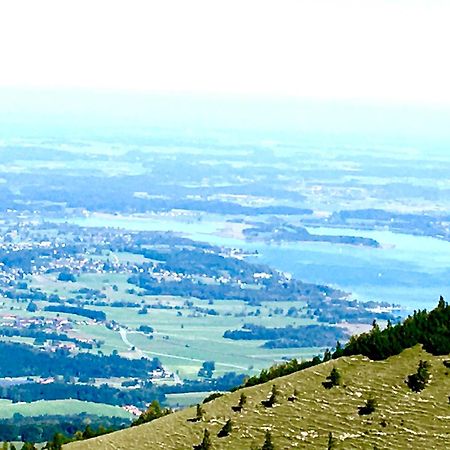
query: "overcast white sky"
389, 51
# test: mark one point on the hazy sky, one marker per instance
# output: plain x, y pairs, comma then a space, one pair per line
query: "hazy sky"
388, 51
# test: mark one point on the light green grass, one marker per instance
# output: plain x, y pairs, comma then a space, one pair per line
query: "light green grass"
59, 407
183, 342
413, 420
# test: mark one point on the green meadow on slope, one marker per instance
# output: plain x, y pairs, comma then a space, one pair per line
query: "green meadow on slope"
59, 407
402, 419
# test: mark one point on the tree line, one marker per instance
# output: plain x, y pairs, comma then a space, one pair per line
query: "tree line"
431, 329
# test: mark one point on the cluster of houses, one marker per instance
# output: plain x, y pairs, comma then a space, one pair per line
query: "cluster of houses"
132, 410
66, 258
57, 324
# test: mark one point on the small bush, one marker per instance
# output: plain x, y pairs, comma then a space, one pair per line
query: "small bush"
369, 407
241, 404
212, 397
294, 396
268, 444
206, 442
199, 414
226, 430
417, 381
272, 399
334, 379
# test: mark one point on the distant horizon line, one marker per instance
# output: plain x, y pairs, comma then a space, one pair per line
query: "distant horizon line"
227, 96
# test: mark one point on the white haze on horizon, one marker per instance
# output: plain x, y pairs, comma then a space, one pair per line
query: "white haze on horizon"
384, 51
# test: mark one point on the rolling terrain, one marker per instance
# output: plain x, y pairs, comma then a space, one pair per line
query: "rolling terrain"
402, 418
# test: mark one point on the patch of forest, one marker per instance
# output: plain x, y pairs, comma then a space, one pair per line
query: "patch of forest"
26, 360
290, 336
44, 428
278, 232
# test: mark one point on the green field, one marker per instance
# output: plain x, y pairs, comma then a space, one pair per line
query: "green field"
184, 342
59, 407
402, 419
182, 339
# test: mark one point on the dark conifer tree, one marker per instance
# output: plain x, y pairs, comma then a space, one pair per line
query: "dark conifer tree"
417, 381
334, 379
274, 395
206, 442
294, 396
153, 412
338, 351
226, 429
200, 412
242, 400
331, 441
268, 444
369, 407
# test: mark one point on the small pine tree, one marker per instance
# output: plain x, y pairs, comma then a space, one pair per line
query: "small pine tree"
417, 381
88, 432
334, 379
56, 443
331, 441
272, 399
206, 442
339, 351
268, 444
371, 404
327, 355
226, 430
241, 404
200, 412
154, 411
369, 407
274, 395
294, 396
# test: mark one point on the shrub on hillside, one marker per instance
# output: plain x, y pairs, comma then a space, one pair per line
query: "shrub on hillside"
334, 379
369, 407
417, 381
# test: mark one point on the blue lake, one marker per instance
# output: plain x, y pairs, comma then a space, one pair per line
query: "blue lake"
408, 270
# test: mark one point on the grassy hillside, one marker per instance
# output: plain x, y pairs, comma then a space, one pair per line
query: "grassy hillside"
403, 419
